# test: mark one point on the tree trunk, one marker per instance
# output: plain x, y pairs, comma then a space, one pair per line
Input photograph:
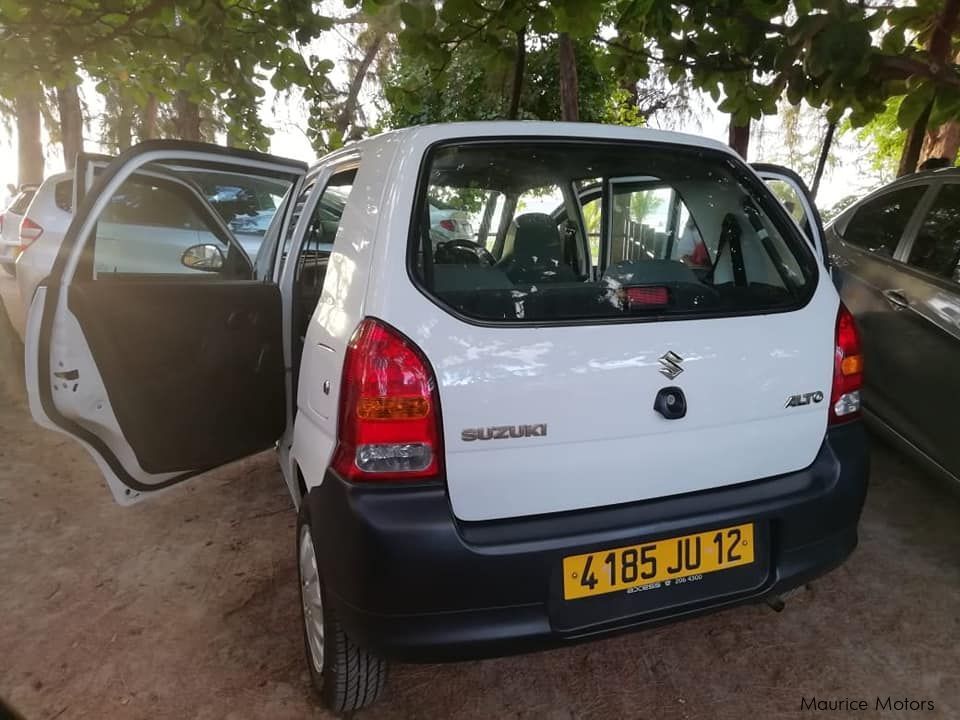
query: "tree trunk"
738, 137
71, 123
348, 112
569, 85
938, 51
911, 148
148, 129
124, 128
29, 145
943, 141
519, 67
188, 118
822, 160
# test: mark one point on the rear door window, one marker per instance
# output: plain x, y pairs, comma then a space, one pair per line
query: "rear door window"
878, 224
672, 231
936, 248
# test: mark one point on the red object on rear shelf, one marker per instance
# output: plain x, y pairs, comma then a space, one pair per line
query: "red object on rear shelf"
847, 370
389, 418
448, 225
29, 232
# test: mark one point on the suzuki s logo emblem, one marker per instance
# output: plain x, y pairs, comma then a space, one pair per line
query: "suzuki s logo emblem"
670, 363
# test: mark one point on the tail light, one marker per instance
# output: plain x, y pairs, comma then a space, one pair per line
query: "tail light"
389, 420
448, 225
847, 370
639, 298
29, 232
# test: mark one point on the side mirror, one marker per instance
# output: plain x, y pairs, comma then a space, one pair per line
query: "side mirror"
207, 258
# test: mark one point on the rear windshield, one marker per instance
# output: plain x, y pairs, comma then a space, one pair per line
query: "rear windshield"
563, 231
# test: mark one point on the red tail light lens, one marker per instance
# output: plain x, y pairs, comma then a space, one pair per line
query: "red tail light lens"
389, 420
847, 370
647, 297
29, 232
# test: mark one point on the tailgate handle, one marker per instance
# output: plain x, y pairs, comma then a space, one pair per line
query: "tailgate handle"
671, 403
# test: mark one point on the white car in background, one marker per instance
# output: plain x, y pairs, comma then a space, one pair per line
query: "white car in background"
41, 230
134, 218
10, 226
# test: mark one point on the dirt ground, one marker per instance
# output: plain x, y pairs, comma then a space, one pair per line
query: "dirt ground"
186, 607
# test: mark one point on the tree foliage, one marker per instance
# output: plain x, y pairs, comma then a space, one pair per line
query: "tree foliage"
215, 54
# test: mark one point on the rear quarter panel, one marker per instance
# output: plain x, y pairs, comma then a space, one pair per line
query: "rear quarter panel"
341, 307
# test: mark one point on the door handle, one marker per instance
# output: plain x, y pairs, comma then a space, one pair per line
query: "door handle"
896, 298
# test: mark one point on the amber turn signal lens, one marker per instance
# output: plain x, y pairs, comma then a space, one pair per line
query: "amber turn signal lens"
852, 365
392, 408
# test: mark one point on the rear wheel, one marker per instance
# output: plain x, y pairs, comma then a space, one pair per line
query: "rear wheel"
346, 676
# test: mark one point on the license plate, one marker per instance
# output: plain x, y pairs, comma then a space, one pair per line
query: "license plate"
662, 561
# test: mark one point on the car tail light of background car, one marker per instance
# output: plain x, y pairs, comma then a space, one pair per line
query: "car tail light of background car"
389, 426
847, 369
29, 232
448, 224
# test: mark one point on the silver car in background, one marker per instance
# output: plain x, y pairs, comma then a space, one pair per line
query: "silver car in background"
896, 259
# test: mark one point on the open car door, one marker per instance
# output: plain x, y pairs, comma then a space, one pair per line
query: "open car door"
792, 191
152, 343
88, 167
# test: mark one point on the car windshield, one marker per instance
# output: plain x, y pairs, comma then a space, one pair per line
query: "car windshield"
567, 231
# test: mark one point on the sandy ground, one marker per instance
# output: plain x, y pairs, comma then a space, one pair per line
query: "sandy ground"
186, 607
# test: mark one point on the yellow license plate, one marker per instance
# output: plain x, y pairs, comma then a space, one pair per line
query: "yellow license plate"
654, 562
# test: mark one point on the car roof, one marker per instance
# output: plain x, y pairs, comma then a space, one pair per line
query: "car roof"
840, 220
527, 128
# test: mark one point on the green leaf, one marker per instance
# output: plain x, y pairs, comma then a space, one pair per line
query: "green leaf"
914, 104
894, 41
411, 16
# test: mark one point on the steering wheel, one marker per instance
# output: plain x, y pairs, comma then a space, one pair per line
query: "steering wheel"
462, 252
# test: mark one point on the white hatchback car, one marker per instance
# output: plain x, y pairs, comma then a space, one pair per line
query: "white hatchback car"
10, 227
134, 226
495, 445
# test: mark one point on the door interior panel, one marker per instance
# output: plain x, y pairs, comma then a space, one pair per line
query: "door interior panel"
193, 370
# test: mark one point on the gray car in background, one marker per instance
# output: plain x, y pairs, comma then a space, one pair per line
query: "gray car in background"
895, 255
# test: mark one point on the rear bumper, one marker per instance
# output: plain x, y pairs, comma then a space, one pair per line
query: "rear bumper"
413, 583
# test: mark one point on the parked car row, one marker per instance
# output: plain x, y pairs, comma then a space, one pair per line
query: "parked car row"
592, 307
644, 417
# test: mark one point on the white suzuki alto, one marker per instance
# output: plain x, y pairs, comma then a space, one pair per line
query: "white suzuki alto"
627, 394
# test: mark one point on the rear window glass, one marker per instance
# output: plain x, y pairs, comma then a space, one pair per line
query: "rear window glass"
21, 202
541, 232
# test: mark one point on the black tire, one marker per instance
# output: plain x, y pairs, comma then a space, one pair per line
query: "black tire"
352, 677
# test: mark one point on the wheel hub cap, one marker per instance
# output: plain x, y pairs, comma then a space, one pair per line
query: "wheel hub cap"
311, 598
